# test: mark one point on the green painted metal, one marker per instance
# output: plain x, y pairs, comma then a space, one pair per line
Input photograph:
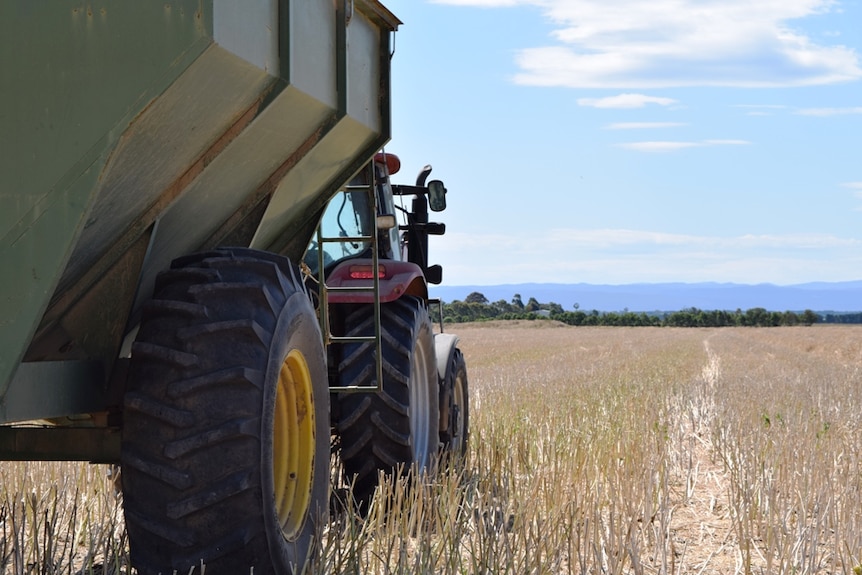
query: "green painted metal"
74, 76
132, 133
83, 390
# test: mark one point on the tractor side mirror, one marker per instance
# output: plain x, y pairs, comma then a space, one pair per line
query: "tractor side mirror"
436, 196
434, 274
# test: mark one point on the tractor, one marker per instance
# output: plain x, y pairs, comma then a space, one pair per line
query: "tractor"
399, 390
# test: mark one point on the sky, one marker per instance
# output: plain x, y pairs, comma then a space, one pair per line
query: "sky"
625, 141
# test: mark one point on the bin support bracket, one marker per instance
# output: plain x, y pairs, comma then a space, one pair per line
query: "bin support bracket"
94, 444
47, 389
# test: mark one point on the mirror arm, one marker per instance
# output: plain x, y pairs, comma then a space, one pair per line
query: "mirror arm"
402, 190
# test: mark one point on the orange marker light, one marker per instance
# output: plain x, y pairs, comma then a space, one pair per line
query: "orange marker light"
391, 161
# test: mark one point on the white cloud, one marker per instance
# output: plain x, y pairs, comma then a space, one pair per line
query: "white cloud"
669, 146
763, 106
766, 110
799, 241
658, 146
643, 125
566, 239
605, 238
726, 143
625, 101
632, 44
823, 112
761, 109
857, 194
480, 3
627, 256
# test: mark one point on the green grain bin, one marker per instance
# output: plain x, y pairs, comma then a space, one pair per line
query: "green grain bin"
134, 133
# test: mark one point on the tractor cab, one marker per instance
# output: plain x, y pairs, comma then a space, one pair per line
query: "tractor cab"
364, 217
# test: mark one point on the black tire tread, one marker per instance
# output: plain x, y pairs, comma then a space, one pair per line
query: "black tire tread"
374, 428
197, 370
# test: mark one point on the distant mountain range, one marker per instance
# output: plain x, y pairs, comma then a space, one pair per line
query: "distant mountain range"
816, 296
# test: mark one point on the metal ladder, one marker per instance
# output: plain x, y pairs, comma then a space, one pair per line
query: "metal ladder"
369, 188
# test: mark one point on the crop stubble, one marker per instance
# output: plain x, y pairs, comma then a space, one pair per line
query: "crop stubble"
593, 450
729, 450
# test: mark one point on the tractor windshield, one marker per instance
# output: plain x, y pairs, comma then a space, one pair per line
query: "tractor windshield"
347, 217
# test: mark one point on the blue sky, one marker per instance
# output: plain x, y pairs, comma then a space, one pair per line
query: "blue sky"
631, 141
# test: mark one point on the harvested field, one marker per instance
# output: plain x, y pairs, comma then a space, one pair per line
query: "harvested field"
650, 450
593, 450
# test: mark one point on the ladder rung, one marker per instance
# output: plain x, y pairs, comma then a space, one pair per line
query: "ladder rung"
350, 288
352, 339
356, 389
347, 239
370, 188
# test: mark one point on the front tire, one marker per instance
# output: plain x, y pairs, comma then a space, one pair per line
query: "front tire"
455, 406
225, 457
397, 428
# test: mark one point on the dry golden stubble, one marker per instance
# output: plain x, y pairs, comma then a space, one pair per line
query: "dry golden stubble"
616, 450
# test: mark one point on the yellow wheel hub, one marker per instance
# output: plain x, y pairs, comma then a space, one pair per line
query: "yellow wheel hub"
293, 444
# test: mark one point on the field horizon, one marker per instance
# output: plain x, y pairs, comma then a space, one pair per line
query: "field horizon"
824, 297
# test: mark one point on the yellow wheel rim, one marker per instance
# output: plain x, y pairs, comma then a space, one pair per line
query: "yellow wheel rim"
293, 444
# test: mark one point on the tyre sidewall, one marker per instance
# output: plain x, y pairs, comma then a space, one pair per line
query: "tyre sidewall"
457, 369
424, 343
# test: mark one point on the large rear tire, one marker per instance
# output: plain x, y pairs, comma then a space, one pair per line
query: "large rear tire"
225, 457
397, 428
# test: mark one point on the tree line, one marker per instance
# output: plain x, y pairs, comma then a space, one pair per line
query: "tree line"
476, 307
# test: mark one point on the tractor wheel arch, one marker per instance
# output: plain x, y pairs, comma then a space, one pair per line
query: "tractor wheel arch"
444, 346
401, 279
454, 397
